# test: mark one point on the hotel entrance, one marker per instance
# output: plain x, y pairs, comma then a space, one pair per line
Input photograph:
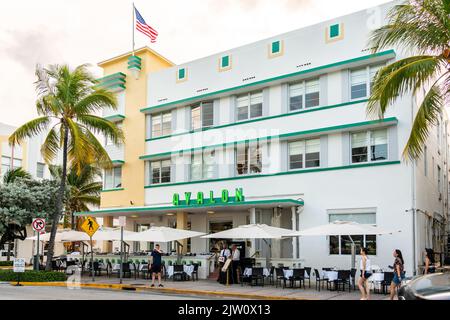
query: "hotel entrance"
215, 245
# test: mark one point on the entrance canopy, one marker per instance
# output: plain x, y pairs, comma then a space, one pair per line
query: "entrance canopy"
160, 210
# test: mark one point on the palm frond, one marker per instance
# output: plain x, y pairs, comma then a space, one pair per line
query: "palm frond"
29, 129
98, 100
14, 174
105, 127
394, 80
427, 115
51, 146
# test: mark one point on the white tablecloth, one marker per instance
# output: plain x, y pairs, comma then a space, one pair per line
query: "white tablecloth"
289, 272
330, 275
377, 277
248, 272
186, 268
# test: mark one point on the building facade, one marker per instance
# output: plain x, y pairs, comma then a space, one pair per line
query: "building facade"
275, 132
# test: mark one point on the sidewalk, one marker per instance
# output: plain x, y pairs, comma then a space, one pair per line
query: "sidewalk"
213, 288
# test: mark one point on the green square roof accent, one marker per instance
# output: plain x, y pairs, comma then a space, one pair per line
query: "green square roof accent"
334, 31
181, 73
225, 62
275, 46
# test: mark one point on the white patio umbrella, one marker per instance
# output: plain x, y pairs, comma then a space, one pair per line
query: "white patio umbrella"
344, 228
251, 231
162, 234
63, 236
110, 234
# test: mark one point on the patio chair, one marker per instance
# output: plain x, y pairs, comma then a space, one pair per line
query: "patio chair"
145, 271
353, 278
271, 275
297, 275
178, 272
194, 274
385, 284
126, 270
112, 271
319, 281
343, 279
280, 278
308, 271
257, 274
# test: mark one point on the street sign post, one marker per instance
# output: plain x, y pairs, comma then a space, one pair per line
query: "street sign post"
38, 225
18, 267
90, 226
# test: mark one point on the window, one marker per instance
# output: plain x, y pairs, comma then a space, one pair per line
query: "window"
334, 31
304, 154
160, 171
374, 141
248, 158
225, 63
342, 244
203, 165
108, 141
305, 93
6, 164
361, 81
162, 124
40, 167
276, 49
249, 106
113, 178
202, 115
181, 75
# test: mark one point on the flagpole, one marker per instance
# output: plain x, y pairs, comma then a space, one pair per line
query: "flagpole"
133, 26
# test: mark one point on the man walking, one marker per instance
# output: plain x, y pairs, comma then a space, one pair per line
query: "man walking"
236, 259
156, 265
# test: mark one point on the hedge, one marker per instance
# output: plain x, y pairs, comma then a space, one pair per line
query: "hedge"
32, 276
6, 263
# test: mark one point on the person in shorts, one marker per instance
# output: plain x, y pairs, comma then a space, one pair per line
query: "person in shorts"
399, 274
366, 273
156, 265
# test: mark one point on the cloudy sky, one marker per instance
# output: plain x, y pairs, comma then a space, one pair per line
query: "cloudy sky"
89, 31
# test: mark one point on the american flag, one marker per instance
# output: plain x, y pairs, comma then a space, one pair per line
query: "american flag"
143, 27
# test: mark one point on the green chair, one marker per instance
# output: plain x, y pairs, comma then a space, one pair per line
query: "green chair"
169, 262
191, 262
184, 262
199, 263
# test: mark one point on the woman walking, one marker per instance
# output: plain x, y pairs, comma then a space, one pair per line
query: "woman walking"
366, 272
399, 274
429, 261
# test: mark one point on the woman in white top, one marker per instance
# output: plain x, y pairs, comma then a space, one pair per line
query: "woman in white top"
366, 272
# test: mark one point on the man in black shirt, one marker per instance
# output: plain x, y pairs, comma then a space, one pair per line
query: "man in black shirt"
156, 265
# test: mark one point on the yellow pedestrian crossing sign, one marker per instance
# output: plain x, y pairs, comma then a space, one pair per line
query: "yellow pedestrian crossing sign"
90, 226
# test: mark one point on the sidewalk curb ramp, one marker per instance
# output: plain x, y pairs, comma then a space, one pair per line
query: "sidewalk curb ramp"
155, 289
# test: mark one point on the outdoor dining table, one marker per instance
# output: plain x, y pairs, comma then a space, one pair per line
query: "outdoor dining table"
188, 269
248, 272
290, 272
330, 275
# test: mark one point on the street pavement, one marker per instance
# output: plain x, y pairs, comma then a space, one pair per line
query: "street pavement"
9, 292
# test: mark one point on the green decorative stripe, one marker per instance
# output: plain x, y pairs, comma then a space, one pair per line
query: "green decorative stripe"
115, 117
262, 119
112, 76
336, 64
280, 136
353, 166
112, 190
114, 82
118, 162
134, 59
170, 208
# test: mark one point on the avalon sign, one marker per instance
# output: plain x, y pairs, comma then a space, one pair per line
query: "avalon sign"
200, 199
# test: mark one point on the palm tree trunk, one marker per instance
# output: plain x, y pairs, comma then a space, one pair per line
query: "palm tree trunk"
59, 203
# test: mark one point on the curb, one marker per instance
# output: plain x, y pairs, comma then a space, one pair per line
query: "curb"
166, 290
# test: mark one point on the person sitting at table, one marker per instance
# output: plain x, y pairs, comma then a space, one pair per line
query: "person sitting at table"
236, 258
429, 261
223, 256
156, 265
366, 272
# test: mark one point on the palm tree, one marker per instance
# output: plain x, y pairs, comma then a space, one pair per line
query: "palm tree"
13, 174
66, 105
421, 27
83, 190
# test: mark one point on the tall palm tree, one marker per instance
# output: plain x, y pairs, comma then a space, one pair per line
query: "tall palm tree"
421, 27
83, 190
13, 174
67, 103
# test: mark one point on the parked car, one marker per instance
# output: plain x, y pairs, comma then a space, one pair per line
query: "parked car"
434, 286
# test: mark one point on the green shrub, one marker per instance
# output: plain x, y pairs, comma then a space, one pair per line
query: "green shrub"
6, 263
32, 276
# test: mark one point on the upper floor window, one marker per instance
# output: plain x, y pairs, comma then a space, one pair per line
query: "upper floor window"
248, 158
203, 165
40, 167
276, 48
160, 171
249, 106
304, 154
108, 141
361, 81
202, 115
369, 146
225, 63
113, 178
182, 74
304, 94
6, 164
161, 124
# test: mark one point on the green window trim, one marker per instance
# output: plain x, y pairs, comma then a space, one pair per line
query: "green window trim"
181, 73
112, 190
393, 120
335, 30
276, 47
225, 62
289, 75
263, 118
302, 171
